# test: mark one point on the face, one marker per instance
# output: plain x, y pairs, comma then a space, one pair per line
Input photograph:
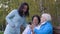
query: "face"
35, 20
42, 19
25, 8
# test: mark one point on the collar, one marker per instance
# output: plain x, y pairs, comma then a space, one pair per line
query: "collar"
39, 26
43, 23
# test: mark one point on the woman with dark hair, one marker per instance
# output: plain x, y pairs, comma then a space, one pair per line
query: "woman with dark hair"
16, 18
35, 22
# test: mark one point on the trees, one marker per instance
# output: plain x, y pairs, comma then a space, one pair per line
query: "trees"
52, 7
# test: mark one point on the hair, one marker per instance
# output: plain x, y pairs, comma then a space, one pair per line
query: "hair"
20, 11
47, 16
38, 17
30, 23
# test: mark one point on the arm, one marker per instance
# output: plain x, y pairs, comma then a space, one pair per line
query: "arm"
9, 16
25, 23
46, 30
26, 30
32, 28
33, 32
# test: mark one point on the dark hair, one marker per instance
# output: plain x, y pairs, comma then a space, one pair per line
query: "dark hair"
37, 18
20, 11
30, 23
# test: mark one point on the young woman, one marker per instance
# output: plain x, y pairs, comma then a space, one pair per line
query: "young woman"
34, 23
16, 18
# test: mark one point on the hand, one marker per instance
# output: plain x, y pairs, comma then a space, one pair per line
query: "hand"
32, 26
22, 28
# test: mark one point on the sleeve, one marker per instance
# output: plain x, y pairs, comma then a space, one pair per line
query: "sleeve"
25, 23
9, 16
46, 30
26, 30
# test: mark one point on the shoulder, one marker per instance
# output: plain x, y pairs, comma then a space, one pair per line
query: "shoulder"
48, 23
28, 27
47, 26
14, 11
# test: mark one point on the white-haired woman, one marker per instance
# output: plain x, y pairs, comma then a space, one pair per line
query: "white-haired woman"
45, 26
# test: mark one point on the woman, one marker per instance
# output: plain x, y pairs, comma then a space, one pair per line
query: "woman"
16, 18
45, 26
35, 22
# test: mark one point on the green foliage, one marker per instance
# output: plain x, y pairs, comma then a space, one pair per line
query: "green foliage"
1, 32
34, 9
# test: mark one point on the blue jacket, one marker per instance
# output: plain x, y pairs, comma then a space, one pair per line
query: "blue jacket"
14, 21
45, 29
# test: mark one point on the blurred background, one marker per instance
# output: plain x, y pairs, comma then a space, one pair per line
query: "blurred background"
35, 7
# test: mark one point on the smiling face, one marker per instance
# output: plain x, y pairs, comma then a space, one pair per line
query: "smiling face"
24, 8
43, 19
35, 20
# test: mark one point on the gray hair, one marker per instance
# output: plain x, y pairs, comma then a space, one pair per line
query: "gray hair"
47, 16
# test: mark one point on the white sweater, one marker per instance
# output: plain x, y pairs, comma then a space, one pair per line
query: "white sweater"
26, 30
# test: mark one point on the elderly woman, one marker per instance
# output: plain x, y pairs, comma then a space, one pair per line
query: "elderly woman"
45, 26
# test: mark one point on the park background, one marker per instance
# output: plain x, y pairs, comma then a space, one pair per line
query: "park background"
35, 7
